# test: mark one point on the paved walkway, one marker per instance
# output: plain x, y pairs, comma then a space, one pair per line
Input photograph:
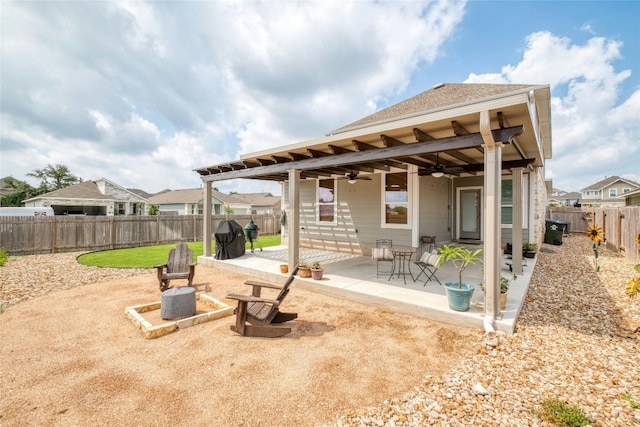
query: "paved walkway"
353, 277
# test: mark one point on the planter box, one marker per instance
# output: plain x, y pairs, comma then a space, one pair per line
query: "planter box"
212, 309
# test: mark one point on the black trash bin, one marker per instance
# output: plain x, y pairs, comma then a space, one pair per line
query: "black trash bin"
251, 233
566, 227
553, 231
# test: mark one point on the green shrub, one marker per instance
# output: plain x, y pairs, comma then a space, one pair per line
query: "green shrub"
4, 256
562, 414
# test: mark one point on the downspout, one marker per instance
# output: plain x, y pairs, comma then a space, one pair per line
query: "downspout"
492, 183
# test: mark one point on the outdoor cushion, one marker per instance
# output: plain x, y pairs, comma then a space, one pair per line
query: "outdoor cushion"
381, 253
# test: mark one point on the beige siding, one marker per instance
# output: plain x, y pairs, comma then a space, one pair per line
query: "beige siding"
435, 194
358, 218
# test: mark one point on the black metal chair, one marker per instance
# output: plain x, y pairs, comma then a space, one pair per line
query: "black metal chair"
382, 254
428, 264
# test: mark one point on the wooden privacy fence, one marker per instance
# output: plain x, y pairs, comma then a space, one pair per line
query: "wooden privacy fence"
36, 235
620, 225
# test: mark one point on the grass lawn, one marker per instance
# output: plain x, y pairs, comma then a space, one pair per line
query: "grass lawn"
149, 256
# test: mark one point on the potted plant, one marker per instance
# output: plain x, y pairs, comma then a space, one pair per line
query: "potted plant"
504, 287
303, 269
529, 250
316, 270
459, 294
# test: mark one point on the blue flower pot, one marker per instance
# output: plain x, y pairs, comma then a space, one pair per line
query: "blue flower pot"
459, 298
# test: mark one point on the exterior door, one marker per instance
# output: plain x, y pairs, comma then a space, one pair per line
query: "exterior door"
470, 211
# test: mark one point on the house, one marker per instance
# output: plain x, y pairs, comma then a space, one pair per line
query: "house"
605, 193
99, 197
261, 203
563, 198
631, 198
190, 201
461, 162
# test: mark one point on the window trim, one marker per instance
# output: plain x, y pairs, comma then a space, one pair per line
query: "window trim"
334, 203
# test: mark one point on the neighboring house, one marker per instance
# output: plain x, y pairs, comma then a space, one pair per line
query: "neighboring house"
562, 198
261, 203
554, 195
631, 198
190, 201
606, 193
458, 162
99, 197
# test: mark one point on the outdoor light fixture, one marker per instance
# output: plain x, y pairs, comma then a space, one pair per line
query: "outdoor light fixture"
438, 170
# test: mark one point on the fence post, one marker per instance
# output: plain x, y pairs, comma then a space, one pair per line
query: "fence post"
53, 234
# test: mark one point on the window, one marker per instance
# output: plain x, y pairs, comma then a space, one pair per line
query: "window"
326, 201
396, 199
613, 192
592, 193
120, 209
506, 204
625, 190
506, 207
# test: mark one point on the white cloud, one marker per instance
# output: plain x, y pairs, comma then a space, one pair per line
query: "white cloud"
594, 131
142, 92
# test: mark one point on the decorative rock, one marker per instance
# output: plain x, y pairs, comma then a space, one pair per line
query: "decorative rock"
491, 339
479, 389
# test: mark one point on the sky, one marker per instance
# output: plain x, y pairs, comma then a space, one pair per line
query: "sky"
143, 92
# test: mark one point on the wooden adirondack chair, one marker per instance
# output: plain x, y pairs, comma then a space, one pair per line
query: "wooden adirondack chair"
256, 315
179, 266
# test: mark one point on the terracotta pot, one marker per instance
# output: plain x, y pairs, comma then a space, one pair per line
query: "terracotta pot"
284, 268
503, 300
304, 271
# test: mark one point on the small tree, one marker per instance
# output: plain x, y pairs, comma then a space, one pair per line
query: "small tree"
154, 210
20, 191
228, 210
54, 178
461, 258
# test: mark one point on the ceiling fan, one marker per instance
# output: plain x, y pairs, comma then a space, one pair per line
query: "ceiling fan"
352, 177
438, 169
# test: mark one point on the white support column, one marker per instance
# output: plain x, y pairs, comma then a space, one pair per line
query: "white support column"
206, 218
516, 225
533, 206
294, 218
493, 189
414, 187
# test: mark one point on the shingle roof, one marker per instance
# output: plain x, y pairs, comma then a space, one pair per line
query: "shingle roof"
438, 97
187, 195
139, 192
607, 182
84, 190
192, 195
266, 199
571, 196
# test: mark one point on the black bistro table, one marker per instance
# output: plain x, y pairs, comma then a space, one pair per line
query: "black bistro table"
402, 262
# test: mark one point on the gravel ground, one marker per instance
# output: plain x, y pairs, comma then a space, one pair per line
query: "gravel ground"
574, 341
31, 276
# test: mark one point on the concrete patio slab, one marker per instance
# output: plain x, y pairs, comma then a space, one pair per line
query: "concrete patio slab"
353, 277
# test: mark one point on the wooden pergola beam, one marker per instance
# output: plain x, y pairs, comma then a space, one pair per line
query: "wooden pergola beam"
396, 153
